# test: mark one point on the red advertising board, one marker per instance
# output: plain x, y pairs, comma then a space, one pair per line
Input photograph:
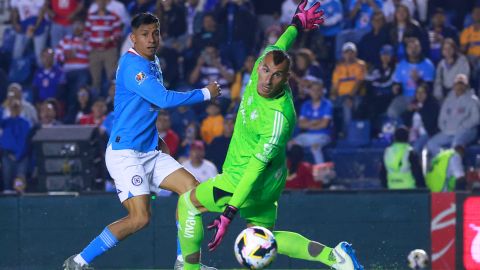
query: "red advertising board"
443, 231
471, 233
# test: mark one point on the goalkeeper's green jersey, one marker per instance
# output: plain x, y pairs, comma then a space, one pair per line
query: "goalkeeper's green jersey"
257, 153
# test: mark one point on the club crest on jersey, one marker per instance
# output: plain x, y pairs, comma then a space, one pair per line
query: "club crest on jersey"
137, 180
140, 77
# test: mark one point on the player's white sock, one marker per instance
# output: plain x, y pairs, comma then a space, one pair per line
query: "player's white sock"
78, 259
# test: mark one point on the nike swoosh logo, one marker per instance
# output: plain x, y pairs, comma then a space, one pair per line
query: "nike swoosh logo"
342, 259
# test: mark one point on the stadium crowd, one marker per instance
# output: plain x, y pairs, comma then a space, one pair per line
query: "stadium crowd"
380, 63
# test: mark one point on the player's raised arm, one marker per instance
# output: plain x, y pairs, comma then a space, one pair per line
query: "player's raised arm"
303, 20
139, 78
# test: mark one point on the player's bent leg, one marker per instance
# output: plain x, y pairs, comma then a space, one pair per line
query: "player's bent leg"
179, 181
138, 208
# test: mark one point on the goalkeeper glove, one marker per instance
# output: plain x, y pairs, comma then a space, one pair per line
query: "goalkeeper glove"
220, 226
307, 19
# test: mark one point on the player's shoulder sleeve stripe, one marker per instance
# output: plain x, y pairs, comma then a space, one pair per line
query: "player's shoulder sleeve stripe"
278, 125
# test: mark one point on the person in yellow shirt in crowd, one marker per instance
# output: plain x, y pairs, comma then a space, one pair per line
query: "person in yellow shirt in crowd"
470, 43
347, 82
212, 125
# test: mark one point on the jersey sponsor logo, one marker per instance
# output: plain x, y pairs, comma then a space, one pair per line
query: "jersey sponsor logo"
137, 180
140, 77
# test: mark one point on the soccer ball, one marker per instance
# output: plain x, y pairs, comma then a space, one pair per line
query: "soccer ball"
418, 259
255, 248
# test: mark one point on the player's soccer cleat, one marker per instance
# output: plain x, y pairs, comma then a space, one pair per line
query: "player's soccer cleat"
179, 266
70, 264
345, 256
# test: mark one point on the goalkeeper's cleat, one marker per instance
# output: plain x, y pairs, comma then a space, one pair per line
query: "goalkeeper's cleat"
70, 264
179, 266
345, 257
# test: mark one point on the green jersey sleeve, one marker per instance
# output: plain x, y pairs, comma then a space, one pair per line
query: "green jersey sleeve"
274, 136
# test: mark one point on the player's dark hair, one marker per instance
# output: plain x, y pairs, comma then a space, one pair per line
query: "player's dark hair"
163, 113
401, 134
279, 56
144, 18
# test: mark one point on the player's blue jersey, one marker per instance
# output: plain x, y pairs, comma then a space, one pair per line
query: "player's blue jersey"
139, 93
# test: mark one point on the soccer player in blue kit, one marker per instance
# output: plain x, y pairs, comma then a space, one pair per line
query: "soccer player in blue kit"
132, 157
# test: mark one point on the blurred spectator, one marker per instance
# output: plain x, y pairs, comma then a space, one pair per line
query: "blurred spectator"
15, 131
379, 82
180, 118
28, 111
305, 64
401, 167
323, 41
109, 101
169, 64
360, 13
96, 117
141, 6
470, 44
4, 12
459, 117
390, 6
62, 14
166, 133
422, 118
81, 107
347, 81
333, 18
48, 114
446, 172
197, 165
72, 52
453, 63
217, 149
114, 6
208, 34
29, 24
372, 42
242, 77
403, 28
439, 30
315, 120
212, 126
237, 23
268, 13
194, 16
173, 23
48, 80
409, 74
288, 10
300, 174
103, 31
191, 134
211, 67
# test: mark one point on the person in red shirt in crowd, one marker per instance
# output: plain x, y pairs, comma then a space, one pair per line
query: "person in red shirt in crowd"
96, 117
166, 133
72, 53
103, 31
62, 13
300, 172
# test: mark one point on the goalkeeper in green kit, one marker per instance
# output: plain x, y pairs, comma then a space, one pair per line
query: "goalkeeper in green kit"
254, 172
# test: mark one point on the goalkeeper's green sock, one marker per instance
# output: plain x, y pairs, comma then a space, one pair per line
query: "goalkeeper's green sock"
296, 246
190, 232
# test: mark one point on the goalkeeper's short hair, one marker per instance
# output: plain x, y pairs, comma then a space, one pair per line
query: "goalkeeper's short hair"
279, 56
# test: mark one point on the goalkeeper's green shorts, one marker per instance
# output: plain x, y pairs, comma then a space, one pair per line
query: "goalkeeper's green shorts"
260, 208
